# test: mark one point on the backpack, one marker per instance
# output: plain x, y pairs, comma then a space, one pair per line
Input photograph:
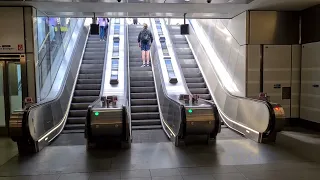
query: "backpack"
145, 37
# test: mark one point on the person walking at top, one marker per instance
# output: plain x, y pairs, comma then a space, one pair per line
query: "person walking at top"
145, 40
102, 25
135, 21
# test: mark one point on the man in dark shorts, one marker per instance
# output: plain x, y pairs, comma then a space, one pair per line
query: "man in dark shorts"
145, 40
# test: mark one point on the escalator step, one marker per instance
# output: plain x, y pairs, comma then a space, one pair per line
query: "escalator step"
74, 126
146, 122
86, 92
78, 113
83, 99
196, 85
148, 108
91, 71
88, 86
199, 90
89, 76
79, 106
142, 84
76, 120
142, 89
151, 95
89, 81
194, 80
98, 62
149, 127
92, 66
136, 102
73, 131
141, 78
147, 115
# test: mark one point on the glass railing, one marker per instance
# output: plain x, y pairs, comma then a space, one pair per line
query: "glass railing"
54, 35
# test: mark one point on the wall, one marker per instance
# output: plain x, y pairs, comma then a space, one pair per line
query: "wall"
310, 64
273, 58
228, 38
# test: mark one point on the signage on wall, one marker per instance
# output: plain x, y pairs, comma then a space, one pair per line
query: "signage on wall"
277, 86
7, 48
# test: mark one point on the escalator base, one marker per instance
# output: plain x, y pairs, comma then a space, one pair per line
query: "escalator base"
71, 139
149, 136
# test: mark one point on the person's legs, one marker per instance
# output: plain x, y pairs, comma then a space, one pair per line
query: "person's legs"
147, 54
101, 32
143, 54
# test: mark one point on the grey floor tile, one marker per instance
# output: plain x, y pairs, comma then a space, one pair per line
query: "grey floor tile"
39, 177
195, 171
249, 167
144, 178
198, 177
164, 172
168, 178
142, 173
105, 175
230, 176
74, 176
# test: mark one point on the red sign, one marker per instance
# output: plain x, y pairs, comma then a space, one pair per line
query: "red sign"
20, 47
28, 100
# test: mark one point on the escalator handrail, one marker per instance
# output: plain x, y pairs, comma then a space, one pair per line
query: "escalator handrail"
127, 58
178, 63
56, 99
161, 77
267, 104
44, 102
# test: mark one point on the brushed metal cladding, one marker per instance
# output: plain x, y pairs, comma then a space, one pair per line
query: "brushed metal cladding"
310, 25
272, 27
46, 119
251, 115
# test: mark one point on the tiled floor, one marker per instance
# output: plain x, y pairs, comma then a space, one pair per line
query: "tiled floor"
228, 159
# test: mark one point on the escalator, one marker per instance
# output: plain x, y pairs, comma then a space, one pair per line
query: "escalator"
189, 66
88, 84
144, 105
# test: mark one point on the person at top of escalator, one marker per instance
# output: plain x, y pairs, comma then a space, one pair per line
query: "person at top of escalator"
145, 40
102, 25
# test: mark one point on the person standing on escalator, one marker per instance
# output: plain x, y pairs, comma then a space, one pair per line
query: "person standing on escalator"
102, 25
145, 40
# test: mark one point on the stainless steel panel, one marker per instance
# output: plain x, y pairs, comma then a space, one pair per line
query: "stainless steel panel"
12, 29
272, 27
46, 119
249, 117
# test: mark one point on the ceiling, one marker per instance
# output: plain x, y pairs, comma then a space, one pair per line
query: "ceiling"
158, 8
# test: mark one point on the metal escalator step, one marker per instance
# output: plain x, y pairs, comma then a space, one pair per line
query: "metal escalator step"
135, 64
150, 127
137, 59
185, 56
183, 65
74, 126
142, 84
97, 62
91, 66
148, 108
141, 78
77, 131
205, 96
140, 73
196, 85
192, 75
78, 106
140, 68
83, 99
93, 57
89, 76
146, 122
183, 51
76, 120
151, 95
88, 86
142, 89
147, 115
89, 81
95, 41
91, 71
86, 92
194, 80
181, 45
199, 90
77, 113
97, 49
95, 45
139, 102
